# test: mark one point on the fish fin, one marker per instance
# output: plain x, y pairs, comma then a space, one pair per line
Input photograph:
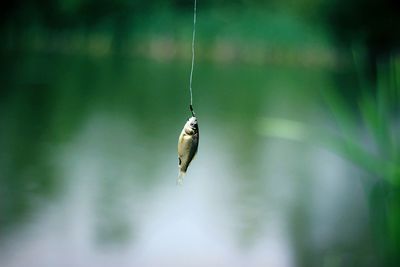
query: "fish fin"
179, 180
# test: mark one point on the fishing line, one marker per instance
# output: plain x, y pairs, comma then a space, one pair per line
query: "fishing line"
191, 70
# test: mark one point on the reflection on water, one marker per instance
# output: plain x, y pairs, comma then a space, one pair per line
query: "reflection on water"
90, 163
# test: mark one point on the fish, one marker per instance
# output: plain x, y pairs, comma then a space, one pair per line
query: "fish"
188, 144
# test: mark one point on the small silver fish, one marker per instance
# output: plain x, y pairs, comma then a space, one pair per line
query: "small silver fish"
187, 146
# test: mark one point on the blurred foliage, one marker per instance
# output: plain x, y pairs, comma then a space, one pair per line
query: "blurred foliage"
367, 110
371, 139
368, 135
369, 23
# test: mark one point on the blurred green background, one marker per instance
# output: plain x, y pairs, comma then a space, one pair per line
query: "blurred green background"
299, 111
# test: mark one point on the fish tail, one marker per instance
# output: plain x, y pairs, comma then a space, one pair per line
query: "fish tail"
179, 180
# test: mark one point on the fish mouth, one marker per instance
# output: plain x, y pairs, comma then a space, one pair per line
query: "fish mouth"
192, 123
